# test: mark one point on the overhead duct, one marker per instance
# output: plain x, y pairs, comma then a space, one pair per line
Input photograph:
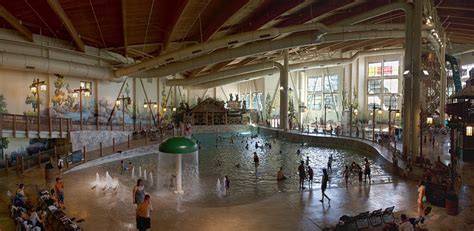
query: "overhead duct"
236, 79
264, 46
246, 37
253, 36
19, 62
222, 78
220, 74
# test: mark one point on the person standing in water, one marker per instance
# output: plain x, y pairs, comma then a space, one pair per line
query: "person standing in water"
227, 185
366, 170
256, 160
143, 214
310, 176
330, 163
302, 175
138, 192
346, 175
324, 185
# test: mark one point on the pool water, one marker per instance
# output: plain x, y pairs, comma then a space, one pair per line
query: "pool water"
220, 153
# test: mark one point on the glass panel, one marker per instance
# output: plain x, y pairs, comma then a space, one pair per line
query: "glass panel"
390, 100
375, 69
330, 100
247, 101
390, 68
331, 83
314, 102
374, 86
390, 85
315, 84
373, 101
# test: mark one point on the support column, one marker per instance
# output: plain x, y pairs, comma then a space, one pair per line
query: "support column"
301, 90
134, 101
443, 83
407, 83
284, 93
179, 185
416, 102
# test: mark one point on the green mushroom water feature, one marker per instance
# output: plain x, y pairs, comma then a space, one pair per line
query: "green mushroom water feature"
174, 153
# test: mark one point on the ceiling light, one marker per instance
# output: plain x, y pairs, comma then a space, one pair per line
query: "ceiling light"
406, 72
426, 72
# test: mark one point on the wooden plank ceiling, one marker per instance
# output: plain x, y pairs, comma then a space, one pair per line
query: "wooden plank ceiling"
144, 29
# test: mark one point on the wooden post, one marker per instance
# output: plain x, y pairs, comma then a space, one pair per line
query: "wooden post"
101, 151
140, 126
39, 159
6, 166
113, 144
56, 152
14, 125
146, 138
50, 125
128, 141
22, 168
84, 154
1, 125
68, 124
67, 161
61, 127
26, 126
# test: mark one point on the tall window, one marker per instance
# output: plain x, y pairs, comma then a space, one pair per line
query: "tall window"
322, 88
382, 84
87, 85
257, 100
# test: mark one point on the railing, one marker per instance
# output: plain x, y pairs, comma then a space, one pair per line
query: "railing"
32, 124
25, 123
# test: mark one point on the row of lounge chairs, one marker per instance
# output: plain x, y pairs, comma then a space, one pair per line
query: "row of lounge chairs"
365, 220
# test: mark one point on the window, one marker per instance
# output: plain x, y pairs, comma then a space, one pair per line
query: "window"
374, 101
390, 68
316, 94
315, 102
331, 83
87, 85
375, 69
374, 86
390, 101
382, 84
330, 100
390, 85
257, 100
315, 84
247, 101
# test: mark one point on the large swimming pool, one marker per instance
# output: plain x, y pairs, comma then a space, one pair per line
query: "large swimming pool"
220, 154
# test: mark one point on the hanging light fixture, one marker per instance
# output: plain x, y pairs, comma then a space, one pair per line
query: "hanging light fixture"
468, 130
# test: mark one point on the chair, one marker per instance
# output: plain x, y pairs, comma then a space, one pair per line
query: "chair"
375, 217
387, 215
348, 224
362, 220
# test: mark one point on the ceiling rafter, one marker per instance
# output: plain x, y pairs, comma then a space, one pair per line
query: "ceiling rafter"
222, 17
124, 27
173, 21
15, 23
54, 4
384, 43
265, 14
318, 11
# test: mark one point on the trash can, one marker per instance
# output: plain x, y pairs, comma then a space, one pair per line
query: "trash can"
452, 203
49, 171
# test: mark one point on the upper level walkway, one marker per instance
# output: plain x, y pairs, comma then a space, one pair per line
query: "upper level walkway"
24, 126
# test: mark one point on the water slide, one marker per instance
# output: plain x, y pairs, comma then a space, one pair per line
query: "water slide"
453, 62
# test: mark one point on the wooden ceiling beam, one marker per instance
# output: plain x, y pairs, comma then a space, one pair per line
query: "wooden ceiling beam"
173, 21
265, 14
15, 23
318, 11
124, 27
222, 17
56, 7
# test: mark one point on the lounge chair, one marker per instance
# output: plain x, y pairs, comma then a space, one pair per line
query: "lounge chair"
387, 215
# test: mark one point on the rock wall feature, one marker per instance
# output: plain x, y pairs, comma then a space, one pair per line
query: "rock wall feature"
92, 139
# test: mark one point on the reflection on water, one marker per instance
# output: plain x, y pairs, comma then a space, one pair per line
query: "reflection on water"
222, 155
